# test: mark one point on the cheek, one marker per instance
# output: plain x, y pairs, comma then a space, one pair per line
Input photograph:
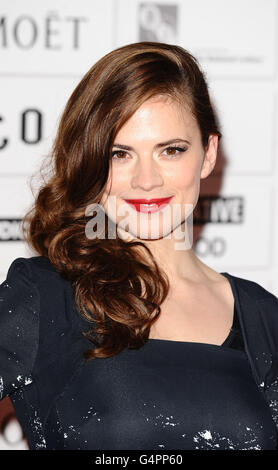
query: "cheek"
117, 182
188, 176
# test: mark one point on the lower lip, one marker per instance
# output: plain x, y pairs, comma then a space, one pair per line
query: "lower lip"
149, 208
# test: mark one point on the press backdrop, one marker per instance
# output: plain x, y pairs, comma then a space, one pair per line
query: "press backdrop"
45, 49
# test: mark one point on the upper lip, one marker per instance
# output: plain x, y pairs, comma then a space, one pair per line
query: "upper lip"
149, 201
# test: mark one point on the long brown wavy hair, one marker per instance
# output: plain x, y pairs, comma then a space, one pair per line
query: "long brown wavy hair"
117, 284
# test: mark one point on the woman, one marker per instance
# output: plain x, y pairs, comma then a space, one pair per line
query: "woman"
124, 339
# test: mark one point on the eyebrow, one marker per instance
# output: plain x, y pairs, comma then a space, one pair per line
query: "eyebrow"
160, 144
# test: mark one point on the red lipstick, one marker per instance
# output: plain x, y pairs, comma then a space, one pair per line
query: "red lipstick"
149, 205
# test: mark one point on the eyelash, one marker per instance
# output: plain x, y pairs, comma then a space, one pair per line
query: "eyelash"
179, 149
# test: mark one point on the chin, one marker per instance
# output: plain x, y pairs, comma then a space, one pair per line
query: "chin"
146, 233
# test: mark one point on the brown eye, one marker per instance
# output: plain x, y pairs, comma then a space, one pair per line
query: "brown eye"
174, 151
118, 152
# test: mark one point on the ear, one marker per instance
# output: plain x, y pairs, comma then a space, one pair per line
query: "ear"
209, 156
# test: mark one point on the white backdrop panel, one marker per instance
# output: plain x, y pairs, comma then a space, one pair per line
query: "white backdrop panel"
246, 112
231, 38
55, 37
30, 115
242, 241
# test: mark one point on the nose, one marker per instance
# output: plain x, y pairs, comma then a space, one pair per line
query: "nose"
146, 175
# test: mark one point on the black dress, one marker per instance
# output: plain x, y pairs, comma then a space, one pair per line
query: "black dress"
164, 395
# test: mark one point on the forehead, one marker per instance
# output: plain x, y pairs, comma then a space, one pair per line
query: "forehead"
159, 115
